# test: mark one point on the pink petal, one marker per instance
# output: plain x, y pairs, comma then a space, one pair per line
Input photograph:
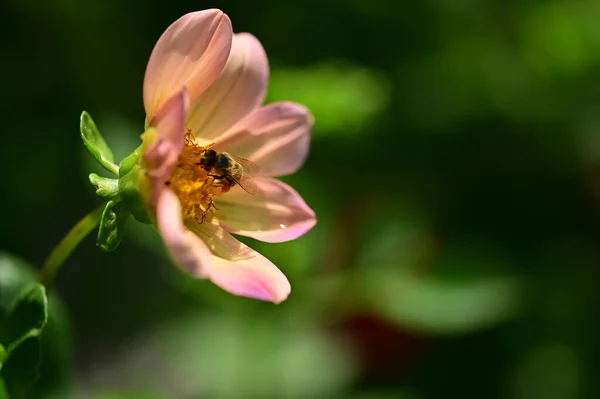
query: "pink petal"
240, 89
219, 241
185, 248
161, 156
276, 214
255, 277
276, 137
239, 269
192, 52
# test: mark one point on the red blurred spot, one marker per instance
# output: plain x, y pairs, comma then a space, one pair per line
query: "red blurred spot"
387, 353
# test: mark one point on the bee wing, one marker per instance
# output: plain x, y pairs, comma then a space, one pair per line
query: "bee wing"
248, 185
248, 166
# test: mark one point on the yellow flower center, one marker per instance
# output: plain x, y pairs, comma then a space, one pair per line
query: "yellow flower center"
194, 186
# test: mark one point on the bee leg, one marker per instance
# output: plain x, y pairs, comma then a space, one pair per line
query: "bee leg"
217, 176
205, 212
211, 204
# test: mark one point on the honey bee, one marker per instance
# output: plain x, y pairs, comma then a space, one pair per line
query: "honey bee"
229, 169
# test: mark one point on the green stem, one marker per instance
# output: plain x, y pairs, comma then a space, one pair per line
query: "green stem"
62, 251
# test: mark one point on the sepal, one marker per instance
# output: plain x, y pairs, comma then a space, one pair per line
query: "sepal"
106, 187
134, 187
112, 225
95, 143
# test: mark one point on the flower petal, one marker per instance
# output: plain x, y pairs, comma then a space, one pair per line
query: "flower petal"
276, 214
239, 269
185, 248
192, 52
276, 137
161, 156
219, 241
240, 89
255, 277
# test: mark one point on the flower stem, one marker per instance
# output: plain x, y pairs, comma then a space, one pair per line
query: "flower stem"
62, 251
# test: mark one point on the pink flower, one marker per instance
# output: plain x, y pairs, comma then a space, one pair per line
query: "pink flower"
204, 88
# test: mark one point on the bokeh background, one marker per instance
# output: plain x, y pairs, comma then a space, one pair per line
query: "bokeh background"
454, 169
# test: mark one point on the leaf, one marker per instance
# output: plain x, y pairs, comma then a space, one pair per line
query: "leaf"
549, 370
2, 355
55, 370
26, 319
343, 97
24, 359
404, 277
42, 325
29, 312
437, 306
112, 225
14, 275
96, 144
128, 395
106, 188
297, 361
231, 355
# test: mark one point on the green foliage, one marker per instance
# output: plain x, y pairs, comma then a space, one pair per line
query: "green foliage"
95, 143
20, 334
560, 38
434, 306
106, 188
386, 395
24, 360
128, 395
342, 97
134, 187
232, 356
15, 274
454, 174
550, 371
3, 390
29, 311
26, 315
112, 225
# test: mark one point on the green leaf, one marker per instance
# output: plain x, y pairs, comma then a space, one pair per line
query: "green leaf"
15, 274
129, 395
549, 370
134, 188
55, 370
343, 97
436, 306
96, 144
24, 359
29, 312
44, 330
297, 358
112, 225
2, 355
106, 188
26, 319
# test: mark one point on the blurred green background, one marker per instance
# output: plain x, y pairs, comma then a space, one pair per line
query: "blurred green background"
454, 170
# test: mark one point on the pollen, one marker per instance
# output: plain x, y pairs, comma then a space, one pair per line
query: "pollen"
192, 184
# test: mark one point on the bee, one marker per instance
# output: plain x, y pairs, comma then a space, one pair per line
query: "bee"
229, 169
